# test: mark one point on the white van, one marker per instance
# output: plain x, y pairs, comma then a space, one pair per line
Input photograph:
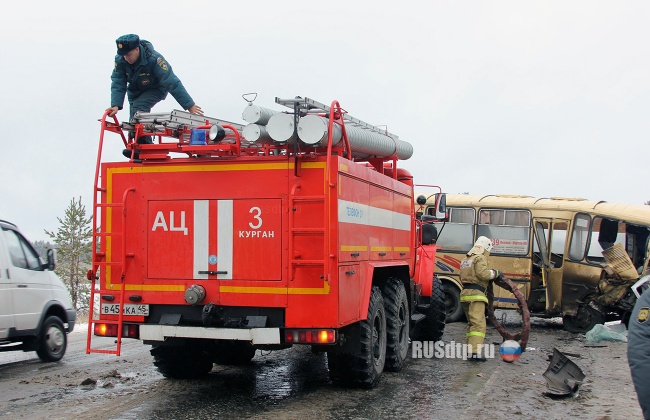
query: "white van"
36, 311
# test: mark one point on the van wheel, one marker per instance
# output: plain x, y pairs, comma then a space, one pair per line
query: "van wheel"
584, 320
452, 302
53, 341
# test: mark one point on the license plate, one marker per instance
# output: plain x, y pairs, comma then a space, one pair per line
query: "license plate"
129, 309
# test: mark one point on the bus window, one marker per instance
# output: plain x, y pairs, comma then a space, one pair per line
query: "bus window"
540, 254
558, 241
579, 237
604, 234
637, 243
508, 229
458, 232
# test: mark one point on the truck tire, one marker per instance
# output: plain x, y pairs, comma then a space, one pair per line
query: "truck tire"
433, 326
181, 362
584, 320
452, 303
364, 369
52, 341
233, 352
398, 324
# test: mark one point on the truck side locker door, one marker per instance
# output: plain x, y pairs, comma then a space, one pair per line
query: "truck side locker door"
6, 304
30, 285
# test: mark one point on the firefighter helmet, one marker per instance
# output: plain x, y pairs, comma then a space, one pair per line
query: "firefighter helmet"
485, 242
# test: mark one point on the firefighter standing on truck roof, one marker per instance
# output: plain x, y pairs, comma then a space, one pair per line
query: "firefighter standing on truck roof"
475, 276
146, 77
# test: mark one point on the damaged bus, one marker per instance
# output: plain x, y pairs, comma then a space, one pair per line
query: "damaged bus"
570, 257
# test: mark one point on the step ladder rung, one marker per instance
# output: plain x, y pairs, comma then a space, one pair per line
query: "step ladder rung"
102, 351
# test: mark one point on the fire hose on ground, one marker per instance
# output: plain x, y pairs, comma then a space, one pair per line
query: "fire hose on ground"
521, 336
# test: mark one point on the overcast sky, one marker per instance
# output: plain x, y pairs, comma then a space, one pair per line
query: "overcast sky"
543, 98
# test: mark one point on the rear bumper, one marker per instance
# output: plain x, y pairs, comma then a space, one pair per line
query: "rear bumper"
252, 335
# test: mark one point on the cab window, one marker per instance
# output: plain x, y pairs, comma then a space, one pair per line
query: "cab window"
21, 252
458, 232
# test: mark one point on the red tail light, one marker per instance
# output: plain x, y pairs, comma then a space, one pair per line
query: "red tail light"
311, 336
110, 330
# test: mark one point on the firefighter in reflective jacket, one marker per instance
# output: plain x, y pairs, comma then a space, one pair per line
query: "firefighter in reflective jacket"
475, 276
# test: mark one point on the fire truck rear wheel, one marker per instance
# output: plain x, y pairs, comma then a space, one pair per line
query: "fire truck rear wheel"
182, 362
397, 324
364, 369
233, 352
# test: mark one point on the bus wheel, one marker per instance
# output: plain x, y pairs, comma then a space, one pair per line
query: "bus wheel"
584, 320
452, 302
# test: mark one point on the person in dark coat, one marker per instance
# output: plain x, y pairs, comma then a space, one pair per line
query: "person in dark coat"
143, 74
638, 351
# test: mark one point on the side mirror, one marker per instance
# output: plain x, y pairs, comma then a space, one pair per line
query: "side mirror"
51, 259
441, 207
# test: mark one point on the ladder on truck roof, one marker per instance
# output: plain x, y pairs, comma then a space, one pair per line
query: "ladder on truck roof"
309, 106
99, 257
181, 126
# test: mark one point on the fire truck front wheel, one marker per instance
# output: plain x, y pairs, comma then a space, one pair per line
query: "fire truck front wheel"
397, 324
191, 360
433, 326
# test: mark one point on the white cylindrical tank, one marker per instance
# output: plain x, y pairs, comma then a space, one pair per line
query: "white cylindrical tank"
257, 134
281, 127
313, 130
257, 115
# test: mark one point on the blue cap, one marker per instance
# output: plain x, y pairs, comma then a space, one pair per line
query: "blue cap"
126, 43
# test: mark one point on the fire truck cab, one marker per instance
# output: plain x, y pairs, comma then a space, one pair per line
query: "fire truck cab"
297, 228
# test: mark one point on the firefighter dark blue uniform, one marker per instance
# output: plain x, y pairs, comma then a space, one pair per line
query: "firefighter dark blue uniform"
145, 81
638, 351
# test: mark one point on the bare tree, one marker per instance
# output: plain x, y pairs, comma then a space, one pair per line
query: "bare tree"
73, 241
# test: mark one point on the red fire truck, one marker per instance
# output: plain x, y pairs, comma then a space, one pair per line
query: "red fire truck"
298, 228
